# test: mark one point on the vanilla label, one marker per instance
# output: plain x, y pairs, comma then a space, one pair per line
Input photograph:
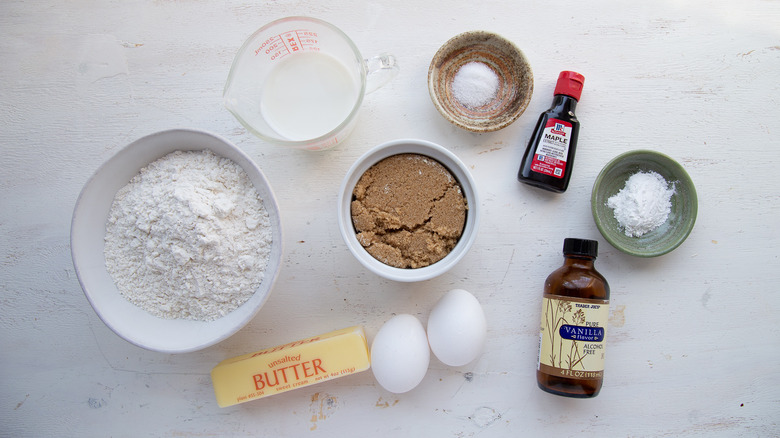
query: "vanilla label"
571, 337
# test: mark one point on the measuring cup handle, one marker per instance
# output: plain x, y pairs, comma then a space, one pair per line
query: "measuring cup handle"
380, 70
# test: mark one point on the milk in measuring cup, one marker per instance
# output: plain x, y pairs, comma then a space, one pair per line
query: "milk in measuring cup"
307, 95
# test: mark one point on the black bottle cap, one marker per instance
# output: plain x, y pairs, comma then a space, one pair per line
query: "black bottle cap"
581, 247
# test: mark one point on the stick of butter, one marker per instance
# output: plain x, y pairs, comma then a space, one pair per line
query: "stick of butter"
290, 366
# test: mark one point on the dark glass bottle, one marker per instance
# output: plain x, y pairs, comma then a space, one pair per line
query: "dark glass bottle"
549, 158
575, 310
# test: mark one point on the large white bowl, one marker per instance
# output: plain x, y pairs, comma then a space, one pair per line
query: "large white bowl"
88, 230
411, 146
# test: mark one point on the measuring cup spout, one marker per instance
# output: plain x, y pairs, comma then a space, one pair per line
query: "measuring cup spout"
245, 110
380, 70
228, 100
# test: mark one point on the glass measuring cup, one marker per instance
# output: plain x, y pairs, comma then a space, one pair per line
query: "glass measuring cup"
300, 81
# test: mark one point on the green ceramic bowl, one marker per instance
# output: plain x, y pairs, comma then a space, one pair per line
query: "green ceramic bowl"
678, 225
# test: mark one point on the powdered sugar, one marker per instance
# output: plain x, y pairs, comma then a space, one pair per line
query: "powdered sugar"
188, 237
643, 204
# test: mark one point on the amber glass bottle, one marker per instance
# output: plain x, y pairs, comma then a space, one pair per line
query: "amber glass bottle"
575, 309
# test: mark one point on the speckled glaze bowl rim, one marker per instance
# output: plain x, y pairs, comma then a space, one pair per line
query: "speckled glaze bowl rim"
611, 233
88, 228
412, 146
458, 43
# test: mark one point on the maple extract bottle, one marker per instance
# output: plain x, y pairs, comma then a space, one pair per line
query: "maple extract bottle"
575, 310
549, 157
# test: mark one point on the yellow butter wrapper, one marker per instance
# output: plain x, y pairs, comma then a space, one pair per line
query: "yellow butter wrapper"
290, 366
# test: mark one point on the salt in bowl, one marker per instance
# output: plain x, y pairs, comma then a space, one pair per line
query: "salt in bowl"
514, 88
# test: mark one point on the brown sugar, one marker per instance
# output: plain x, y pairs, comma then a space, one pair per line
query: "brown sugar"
408, 211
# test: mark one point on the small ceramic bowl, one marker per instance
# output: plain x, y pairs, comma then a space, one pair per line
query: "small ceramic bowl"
88, 230
456, 168
515, 85
682, 216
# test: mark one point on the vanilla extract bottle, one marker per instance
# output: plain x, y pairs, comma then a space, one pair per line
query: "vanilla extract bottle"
575, 310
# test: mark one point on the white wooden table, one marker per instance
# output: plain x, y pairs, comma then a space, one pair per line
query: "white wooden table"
694, 343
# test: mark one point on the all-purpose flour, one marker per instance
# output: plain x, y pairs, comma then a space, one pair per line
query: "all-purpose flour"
188, 237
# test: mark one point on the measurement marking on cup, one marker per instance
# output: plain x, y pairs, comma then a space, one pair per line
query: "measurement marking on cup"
279, 46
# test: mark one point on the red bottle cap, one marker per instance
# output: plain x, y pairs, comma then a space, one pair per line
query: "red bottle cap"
570, 83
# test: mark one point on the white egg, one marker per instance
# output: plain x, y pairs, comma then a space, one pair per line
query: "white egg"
457, 328
400, 354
